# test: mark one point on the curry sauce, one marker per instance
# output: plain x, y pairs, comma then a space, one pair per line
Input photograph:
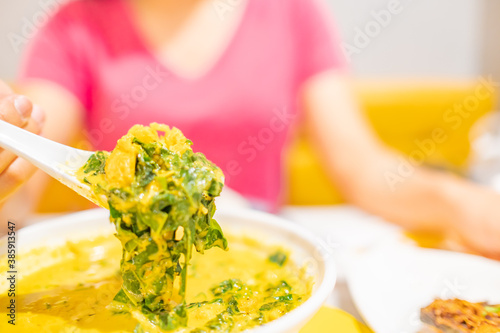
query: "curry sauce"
73, 294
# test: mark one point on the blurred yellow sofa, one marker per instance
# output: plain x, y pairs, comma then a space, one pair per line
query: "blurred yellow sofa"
403, 112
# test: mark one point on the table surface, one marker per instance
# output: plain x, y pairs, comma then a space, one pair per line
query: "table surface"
342, 229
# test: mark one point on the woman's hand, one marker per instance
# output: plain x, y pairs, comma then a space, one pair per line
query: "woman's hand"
476, 223
19, 111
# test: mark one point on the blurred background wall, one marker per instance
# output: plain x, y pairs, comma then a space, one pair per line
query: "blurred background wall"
424, 37
451, 38
490, 57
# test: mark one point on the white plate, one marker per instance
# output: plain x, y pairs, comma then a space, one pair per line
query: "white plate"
391, 282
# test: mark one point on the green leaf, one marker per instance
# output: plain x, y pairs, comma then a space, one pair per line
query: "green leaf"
227, 285
132, 287
113, 212
170, 321
95, 163
279, 258
232, 307
121, 297
285, 298
143, 257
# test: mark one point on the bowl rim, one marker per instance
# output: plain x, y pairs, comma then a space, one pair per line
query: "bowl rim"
288, 322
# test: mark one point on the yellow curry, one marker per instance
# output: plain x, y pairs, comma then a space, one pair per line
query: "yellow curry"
161, 200
73, 293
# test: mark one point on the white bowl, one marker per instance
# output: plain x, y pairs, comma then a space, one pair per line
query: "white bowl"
267, 228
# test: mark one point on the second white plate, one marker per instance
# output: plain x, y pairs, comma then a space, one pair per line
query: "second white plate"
391, 282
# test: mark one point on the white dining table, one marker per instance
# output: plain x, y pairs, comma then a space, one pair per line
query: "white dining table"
343, 230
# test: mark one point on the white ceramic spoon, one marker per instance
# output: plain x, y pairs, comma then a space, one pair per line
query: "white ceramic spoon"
59, 161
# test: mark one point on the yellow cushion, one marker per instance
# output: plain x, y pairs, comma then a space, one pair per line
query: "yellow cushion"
334, 320
422, 119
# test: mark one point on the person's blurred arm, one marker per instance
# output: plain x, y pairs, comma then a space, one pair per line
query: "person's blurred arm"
359, 163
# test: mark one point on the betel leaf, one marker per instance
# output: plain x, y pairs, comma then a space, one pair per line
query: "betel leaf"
132, 287
145, 170
95, 164
151, 149
214, 236
227, 285
232, 307
279, 258
121, 297
113, 212
200, 304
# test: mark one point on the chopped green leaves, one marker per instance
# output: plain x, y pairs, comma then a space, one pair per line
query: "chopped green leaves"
279, 258
169, 190
234, 285
95, 164
230, 292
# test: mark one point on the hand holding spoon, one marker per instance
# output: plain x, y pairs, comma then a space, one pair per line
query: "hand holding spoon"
57, 160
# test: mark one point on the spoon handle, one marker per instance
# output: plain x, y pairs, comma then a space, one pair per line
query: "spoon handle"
48, 155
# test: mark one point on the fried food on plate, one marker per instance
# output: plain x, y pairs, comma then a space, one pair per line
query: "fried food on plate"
459, 316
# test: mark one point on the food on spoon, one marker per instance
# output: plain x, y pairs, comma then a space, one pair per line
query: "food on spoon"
459, 316
161, 199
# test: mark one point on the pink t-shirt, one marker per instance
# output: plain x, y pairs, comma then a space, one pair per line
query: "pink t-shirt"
239, 114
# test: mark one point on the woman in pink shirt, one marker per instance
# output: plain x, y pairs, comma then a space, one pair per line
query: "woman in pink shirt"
221, 77
235, 77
